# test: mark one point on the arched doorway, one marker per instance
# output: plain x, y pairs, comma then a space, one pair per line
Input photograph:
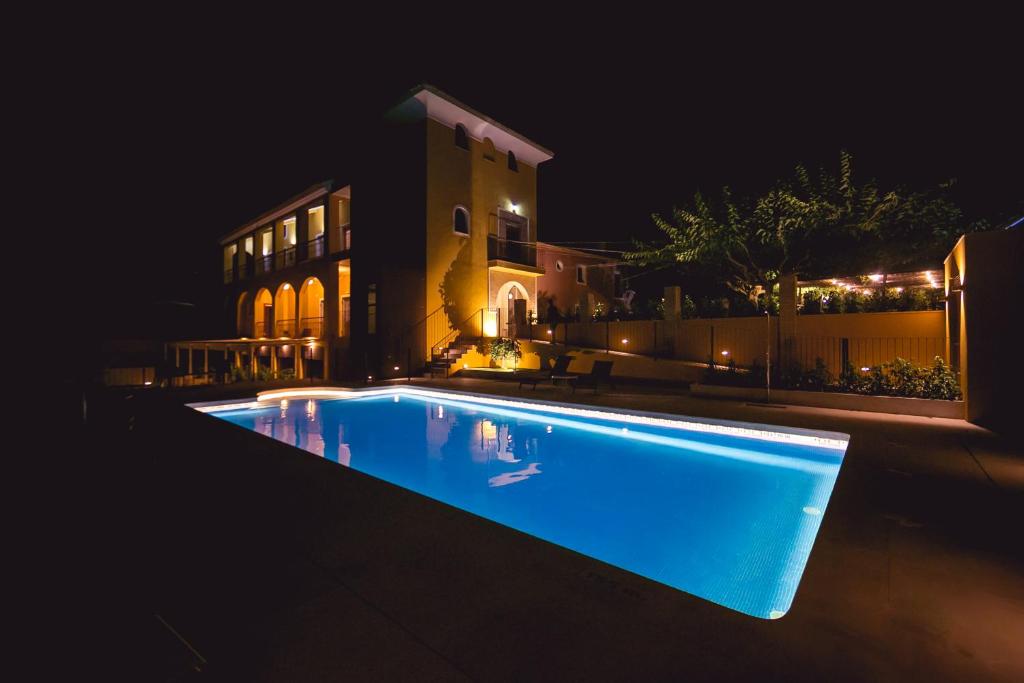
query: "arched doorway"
311, 309
263, 314
512, 301
284, 311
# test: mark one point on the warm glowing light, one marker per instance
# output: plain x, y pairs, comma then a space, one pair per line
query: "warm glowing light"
513, 207
899, 290
875, 277
309, 281
865, 369
369, 378
396, 367
342, 269
148, 382
465, 366
549, 331
625, 341
284, 404
287, 286
491, 323
725, 353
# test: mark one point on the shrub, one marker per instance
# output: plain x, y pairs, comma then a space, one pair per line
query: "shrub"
687, 309
941, 381
242, 374
502, 348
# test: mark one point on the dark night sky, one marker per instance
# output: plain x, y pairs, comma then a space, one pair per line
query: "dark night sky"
177, 142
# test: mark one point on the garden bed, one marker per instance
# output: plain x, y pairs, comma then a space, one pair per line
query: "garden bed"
896, 405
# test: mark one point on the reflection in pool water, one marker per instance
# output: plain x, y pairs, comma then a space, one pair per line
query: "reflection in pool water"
729, 518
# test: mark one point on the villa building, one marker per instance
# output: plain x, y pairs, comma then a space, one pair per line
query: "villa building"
432, 243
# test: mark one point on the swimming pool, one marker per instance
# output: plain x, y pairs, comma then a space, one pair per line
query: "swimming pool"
723, 510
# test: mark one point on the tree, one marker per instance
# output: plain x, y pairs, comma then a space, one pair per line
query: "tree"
823, 226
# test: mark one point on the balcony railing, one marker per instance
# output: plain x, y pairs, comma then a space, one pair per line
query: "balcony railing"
511, 251
284, 328
285, 258
314, 248
264, 264
344, 235
311, 327
262, 328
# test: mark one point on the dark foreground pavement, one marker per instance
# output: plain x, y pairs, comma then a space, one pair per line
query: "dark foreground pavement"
249, 560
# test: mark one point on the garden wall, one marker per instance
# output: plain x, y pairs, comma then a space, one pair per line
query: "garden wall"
872, 338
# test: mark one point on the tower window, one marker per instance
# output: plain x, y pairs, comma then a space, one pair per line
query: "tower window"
513, 165
460, 221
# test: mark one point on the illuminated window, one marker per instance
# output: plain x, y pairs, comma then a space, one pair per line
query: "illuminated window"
513, 165
460, 221
581, 275
461, 137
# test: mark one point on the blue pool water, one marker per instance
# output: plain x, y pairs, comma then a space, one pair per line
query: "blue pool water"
728, 518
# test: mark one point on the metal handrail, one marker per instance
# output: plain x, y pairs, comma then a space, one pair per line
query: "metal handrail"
265, 263
456, 331
513, 251
284, 258
283, 328
314, 325
315, 247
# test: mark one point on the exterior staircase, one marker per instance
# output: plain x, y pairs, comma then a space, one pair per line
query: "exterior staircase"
449, 356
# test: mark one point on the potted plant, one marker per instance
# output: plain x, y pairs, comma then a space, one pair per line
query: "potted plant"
502, 349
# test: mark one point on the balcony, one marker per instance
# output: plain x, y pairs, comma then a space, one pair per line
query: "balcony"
511, 251
264, 264
284, 258
314, 248
343, 238
311, 327
284, 328
262, 328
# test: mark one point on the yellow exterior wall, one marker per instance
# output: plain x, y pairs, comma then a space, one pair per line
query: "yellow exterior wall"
459, 177
926, 324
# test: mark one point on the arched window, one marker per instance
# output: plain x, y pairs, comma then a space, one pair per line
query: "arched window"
513, 165
460, 221
461, 136
488, 149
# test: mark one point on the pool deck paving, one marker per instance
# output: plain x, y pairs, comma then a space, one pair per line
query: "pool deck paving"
264, 562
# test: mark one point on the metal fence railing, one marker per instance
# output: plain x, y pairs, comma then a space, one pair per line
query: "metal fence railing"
311, 327
284, 328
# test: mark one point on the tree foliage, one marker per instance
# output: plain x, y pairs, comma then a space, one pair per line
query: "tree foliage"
820, 225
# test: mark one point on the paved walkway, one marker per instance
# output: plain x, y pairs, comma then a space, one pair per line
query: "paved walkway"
275, 565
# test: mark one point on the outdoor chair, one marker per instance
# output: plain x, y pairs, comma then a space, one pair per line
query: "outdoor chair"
559, 371
601, 373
